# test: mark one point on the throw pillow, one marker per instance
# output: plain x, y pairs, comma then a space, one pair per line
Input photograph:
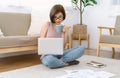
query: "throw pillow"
1, 33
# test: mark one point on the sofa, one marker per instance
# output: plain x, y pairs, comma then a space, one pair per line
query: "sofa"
14, 27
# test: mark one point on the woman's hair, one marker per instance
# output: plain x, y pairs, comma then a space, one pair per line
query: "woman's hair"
56, 9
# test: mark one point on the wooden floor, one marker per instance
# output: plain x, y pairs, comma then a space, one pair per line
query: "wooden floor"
16, 62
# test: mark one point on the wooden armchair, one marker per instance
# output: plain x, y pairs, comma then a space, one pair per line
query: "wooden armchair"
112, 40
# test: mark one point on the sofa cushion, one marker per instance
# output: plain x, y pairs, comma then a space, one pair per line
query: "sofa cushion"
14, 24
17, 41
113, 39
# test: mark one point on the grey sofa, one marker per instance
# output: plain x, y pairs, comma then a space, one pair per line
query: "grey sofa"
15, 27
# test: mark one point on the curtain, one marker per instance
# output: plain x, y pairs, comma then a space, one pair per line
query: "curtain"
115, 7
34, 4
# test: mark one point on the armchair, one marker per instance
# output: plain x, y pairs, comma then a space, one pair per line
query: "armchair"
112, 40
15, 27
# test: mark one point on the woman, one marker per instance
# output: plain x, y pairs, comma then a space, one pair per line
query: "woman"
57, 15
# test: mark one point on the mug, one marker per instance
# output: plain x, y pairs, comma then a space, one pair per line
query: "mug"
59, 28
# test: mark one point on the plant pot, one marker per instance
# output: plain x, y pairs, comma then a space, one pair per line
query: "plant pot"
79, 30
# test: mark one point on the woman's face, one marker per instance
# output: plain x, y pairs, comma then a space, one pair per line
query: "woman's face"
58, 18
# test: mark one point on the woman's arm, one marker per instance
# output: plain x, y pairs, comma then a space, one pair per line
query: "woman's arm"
44, 29
43, 33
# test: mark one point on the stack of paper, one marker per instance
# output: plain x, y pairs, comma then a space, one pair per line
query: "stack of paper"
86, 73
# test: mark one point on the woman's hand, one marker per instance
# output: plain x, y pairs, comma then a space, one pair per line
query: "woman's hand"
64, 29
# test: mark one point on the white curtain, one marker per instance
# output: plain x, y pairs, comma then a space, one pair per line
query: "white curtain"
115, 7
34, 4
115, 2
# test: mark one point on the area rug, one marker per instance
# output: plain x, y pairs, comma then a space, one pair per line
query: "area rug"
40, 71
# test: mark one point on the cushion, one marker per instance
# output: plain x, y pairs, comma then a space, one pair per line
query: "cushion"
1, 33
17, 41
14, 24
113, 39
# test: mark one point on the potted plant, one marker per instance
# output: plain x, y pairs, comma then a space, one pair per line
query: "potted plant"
82, 5
81, 29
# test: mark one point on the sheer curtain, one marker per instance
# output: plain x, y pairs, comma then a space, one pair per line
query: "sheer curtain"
115, 7
34, 4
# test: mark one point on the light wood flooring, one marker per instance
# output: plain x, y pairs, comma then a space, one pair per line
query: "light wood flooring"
21, 61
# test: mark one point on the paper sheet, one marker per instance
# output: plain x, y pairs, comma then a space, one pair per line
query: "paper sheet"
86, 73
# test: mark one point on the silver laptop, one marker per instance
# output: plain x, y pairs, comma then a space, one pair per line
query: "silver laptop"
50, 46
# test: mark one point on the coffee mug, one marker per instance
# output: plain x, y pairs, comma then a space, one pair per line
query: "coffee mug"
59, 28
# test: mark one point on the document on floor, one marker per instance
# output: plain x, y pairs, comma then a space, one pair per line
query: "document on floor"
86, 73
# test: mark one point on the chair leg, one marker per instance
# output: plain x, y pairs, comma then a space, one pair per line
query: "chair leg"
70, 43
113, 52
88, 39
98, 50
79, 40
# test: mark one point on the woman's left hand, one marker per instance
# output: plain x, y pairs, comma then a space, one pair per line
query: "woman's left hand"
64, 29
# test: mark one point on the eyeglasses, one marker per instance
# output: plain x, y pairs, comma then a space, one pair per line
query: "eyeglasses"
60, 18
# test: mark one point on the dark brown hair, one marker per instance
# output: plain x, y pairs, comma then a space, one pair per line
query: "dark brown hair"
56, 9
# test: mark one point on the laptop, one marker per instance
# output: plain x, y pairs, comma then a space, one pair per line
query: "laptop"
50, 46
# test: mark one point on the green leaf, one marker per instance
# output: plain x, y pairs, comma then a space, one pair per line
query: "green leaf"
94, 1
74, 1
87, 1
89, 4
83, 1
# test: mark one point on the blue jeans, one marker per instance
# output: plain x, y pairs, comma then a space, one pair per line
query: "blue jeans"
53, 61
